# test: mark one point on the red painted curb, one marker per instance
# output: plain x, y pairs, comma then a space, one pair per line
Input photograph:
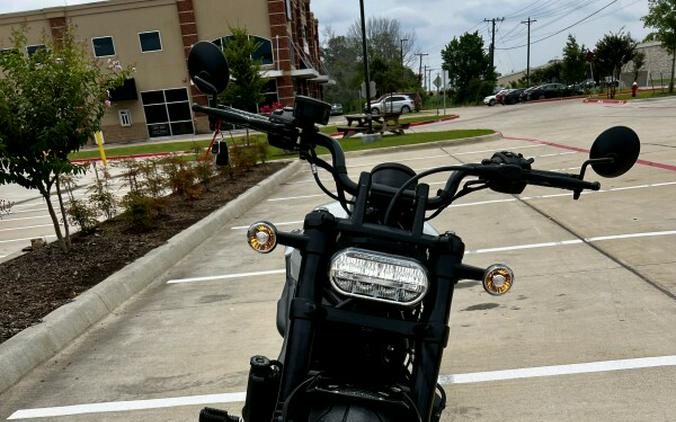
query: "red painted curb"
648, 163
603, 101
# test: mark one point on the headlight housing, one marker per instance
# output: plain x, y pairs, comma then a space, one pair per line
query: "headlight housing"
378, 276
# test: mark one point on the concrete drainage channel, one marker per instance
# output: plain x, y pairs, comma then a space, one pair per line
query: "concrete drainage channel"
26, 350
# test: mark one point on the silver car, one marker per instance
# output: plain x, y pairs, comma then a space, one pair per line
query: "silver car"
392, 104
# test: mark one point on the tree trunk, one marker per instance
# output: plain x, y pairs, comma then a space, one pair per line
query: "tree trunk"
63, 213
673, 64
55, 219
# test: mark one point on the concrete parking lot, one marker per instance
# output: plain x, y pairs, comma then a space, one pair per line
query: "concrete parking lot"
587, 332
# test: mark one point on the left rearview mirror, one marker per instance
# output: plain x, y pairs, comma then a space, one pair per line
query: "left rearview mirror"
208, 68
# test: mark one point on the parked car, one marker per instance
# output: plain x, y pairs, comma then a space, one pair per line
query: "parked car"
392, 104
553, 90
513, 96
524, 94
417, 101
499, 97
490, 100
336, 109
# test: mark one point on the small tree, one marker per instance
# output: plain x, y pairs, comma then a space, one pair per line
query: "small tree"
246, 87
573, 68
469, 67
638, 62
613, 51
662, 18
51, 104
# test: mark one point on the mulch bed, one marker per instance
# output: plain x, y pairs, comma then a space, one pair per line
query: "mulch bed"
34, 284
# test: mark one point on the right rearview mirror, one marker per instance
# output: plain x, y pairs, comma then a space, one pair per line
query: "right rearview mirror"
619, 143
208, 68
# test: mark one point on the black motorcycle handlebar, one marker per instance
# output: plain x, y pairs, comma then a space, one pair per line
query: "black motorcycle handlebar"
486, 170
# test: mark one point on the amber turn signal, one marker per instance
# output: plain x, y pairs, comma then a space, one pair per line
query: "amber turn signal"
262, 237
498, 279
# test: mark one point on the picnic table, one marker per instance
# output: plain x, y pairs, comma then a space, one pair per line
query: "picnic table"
384, 122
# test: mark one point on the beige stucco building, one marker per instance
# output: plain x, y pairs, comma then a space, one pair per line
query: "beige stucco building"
154, 36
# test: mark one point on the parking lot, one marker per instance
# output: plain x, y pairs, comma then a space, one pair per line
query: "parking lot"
587, 332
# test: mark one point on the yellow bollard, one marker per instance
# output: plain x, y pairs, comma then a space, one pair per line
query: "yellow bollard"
99, 141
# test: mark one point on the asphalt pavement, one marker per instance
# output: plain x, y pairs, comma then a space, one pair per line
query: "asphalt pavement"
587, 332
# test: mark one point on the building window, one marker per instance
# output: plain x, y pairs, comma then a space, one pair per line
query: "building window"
125, 118
32, 49
150, 41
270, 92
103, 46
262, 53
167, 112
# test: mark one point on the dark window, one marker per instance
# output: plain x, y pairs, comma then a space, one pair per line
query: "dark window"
264, 50
32, 49
182, 128
150, 41
152, 97
156, 113
103, 46
179, 111
174, 95
159, 130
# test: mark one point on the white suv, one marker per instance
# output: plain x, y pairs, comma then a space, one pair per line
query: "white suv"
392, 104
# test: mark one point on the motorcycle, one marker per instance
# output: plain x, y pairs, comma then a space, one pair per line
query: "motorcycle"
365, 308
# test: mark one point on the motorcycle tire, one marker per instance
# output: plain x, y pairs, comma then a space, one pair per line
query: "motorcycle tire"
347, 412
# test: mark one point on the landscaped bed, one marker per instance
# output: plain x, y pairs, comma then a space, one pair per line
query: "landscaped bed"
34, 284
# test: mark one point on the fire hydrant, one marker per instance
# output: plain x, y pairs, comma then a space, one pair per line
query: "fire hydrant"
634, 89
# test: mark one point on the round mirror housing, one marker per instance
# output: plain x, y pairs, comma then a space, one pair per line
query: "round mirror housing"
208, 68
619, 143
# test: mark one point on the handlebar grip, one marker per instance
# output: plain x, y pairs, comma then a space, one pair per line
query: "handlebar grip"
559, 180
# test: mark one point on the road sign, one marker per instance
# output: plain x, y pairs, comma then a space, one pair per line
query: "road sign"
362, 89
437, 81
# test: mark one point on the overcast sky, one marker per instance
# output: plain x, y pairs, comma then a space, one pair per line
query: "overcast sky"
436, 22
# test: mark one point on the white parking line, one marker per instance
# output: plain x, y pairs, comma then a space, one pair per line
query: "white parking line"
27, 238
25, 218
224, 276
495, 201
37, 226
467, 378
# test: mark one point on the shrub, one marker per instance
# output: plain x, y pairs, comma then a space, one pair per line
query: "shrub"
181, 177
204, 171
140, 211
5, 207
101, 196
82, 215
243, 158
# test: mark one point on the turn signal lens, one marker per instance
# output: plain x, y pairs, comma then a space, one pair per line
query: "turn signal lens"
498, 279
262, 237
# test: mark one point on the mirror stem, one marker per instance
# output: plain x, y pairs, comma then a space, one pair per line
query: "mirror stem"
608, 160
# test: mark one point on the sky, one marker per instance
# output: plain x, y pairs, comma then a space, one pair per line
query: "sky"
436, 22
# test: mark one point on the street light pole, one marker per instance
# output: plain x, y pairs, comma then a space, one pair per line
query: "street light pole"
401, 50
367, 79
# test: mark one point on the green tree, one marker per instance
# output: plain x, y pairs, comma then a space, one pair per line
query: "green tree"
661, 18
638, 62
574, 67
51, 104
246, 87
339, 55
469, 67
613, 51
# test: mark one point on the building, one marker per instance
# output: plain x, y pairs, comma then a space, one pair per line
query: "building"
657, 68
155, 36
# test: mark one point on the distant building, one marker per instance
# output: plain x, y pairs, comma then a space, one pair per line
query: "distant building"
506, 80
155, 37
657, 68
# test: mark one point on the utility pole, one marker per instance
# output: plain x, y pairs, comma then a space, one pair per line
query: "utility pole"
421, 65
424, 78
367, 79
493, 20
429, 78
528, 22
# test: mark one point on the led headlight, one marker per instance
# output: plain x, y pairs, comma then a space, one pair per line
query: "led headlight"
378, 276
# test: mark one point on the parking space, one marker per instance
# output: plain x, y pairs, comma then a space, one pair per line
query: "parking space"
586, 333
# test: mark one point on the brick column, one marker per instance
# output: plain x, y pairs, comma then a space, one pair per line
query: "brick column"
57, 27
279, 34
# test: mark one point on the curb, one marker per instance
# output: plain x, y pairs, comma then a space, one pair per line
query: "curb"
34, 345
424, 145
559, 99
603, 101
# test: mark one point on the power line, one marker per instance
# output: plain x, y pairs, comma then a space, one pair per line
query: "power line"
563, 29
